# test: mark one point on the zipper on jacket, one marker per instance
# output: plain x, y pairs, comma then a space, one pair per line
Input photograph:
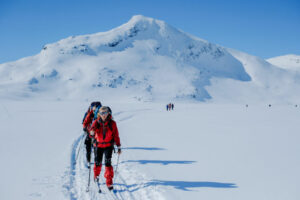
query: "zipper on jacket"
104, 132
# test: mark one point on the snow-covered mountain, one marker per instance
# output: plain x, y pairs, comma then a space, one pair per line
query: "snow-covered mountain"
196, 151
269, 83
145, 59
291, 61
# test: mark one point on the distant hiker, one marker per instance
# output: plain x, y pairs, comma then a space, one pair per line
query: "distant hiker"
106, 134
172, 105
87, 123
167, 107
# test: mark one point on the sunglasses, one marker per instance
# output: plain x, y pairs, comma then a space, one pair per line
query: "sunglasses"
103, 113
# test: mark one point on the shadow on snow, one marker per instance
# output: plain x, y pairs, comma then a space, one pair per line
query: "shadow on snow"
144, 148
180, 185
184, 185
162, 162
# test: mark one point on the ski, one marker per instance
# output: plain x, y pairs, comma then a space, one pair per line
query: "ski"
98, 185
112, 194
89, 180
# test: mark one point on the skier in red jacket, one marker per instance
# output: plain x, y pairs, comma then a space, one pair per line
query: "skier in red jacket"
106, 134
87, 123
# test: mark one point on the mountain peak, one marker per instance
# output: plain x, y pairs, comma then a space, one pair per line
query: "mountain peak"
142, 22
139, 18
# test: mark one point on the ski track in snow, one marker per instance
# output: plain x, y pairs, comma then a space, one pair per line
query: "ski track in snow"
5, 110
79, 175
73, 167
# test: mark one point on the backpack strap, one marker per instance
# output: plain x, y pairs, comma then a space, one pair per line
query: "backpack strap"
96, 112
110, 125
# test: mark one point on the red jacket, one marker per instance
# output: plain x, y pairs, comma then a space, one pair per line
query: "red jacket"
88, 120
109, 136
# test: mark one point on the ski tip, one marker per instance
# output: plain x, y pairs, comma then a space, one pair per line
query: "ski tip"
110, 188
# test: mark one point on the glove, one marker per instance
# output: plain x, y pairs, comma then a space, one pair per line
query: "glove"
93, 141
85, 130
119, 150
92, 133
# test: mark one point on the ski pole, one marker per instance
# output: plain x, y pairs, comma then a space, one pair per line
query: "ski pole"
79, 149
89, 180
117, 167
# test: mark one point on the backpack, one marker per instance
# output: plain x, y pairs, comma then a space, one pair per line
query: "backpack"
84, 116
96, 103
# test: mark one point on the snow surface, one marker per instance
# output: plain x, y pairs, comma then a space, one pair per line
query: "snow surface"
291, 62
197, 151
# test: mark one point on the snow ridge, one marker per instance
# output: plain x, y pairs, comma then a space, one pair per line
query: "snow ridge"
290, 62
144, 59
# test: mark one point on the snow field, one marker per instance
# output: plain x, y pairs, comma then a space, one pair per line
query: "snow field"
197, 151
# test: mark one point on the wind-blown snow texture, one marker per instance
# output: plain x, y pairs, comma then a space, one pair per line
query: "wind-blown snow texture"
146, 59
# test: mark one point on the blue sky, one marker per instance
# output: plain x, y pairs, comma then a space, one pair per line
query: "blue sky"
258, 27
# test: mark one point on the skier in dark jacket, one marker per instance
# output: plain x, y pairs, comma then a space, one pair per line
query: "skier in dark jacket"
106, 134
87, 122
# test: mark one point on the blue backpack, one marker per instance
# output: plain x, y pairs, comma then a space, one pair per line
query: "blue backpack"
96, 112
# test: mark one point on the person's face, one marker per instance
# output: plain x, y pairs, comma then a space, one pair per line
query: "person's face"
103, 115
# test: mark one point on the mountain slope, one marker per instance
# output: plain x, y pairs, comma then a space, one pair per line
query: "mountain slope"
291, 62
144, 59
270, 84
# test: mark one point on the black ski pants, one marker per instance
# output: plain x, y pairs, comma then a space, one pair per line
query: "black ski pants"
99, 155
88, 147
